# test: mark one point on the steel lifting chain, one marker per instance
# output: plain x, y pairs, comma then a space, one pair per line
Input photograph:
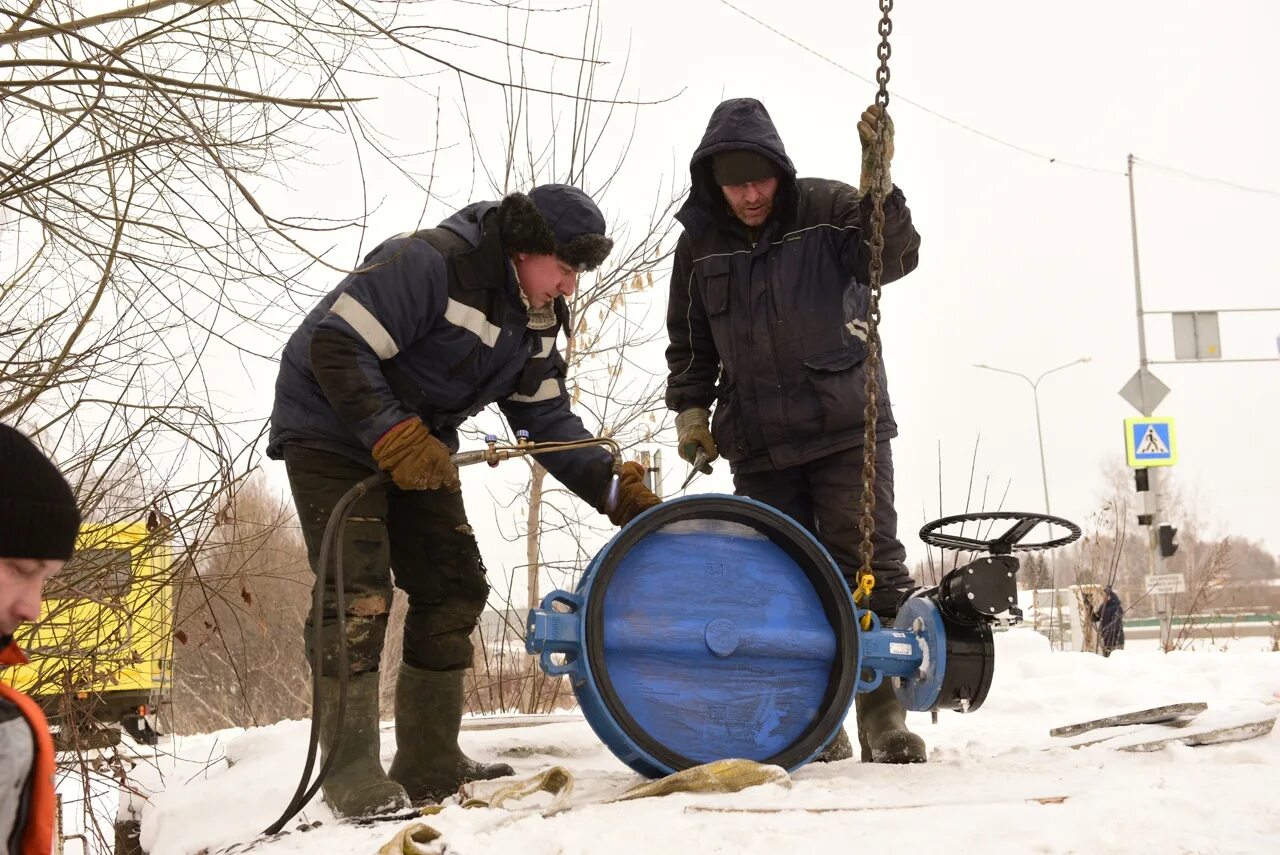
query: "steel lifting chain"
866, 577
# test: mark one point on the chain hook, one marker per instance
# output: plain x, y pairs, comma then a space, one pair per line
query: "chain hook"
866, 577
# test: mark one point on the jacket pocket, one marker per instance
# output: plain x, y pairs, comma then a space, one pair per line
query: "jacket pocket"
726, 425
715, 284
839, 386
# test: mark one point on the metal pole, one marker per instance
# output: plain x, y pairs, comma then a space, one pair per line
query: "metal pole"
1164, 609
1035, 394
1137, 289
646, 461
1044, 477
1208, 361
1196, 311
1164, 602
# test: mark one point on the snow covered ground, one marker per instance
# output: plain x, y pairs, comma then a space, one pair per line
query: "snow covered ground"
979, 791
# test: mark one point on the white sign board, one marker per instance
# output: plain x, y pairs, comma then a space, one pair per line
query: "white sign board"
1195, 335
1166, 583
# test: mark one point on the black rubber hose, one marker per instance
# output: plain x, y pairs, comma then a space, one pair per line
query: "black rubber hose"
329, 555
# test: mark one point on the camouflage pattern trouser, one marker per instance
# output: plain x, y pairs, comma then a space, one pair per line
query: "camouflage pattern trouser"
421, 535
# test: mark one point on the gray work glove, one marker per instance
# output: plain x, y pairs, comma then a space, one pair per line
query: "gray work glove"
693, 433
867, 136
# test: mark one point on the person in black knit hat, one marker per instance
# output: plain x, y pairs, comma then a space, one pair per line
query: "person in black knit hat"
434, 326
38, 526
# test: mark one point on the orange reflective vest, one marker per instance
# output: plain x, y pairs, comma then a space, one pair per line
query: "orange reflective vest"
37, 822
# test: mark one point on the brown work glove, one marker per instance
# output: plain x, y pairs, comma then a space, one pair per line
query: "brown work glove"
867, 136
634, 498
415, 458
692, 434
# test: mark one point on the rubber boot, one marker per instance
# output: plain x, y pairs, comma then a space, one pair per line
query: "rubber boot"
356, 784
839, 749
428, 762
882, 728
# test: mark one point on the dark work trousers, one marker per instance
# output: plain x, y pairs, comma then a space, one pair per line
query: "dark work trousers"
421, 535
825, 496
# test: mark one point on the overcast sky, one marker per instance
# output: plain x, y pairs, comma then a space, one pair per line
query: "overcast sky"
1026, 262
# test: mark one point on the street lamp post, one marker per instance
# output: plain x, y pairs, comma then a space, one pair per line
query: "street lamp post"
1035, 395
1040, 434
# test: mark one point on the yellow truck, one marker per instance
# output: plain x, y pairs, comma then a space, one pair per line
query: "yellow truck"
102, 649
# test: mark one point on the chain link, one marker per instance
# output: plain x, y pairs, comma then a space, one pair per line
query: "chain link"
866, 577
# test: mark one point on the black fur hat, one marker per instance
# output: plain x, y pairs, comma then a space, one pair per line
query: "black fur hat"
555, 219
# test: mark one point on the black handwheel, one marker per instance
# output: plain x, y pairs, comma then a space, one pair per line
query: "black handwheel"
1010, 541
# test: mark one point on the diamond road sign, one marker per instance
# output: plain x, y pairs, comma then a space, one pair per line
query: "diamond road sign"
1150, 441
1144, 388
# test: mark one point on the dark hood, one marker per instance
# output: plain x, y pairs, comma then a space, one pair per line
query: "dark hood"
466, 223
739, 123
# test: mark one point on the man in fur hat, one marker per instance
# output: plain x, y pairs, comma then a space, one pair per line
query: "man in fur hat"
433, 327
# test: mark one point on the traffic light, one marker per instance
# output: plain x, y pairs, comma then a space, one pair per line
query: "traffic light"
1141, 480
1142, 483
1168, 545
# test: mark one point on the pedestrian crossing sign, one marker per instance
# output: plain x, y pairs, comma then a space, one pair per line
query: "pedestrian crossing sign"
1150, 441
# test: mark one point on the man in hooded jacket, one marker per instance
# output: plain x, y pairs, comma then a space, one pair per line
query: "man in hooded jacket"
767, 318
433, 327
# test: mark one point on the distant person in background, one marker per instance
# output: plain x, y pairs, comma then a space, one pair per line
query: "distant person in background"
1110, 619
